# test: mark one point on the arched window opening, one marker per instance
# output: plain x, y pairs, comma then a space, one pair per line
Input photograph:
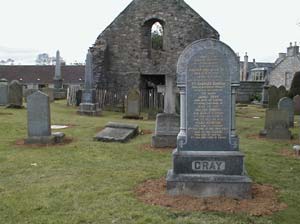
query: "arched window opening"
157, 33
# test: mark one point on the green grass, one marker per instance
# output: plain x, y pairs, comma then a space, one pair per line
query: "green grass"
93, 182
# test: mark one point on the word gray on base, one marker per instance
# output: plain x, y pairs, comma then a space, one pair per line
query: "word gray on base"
207, 161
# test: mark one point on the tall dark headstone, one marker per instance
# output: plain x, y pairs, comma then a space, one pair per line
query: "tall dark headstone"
296, 100
287, 104
3, 92
89, 105
273, 94
282, 92
15, 95
207, 161
295, 86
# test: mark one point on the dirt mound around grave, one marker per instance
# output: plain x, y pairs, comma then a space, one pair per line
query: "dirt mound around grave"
288, 153
21, 143
6, 113
148, 147
264, 201
146, 132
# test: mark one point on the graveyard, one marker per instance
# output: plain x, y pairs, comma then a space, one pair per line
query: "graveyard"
157, 119
85, 181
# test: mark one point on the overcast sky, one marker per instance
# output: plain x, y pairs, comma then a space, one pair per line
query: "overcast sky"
263, 28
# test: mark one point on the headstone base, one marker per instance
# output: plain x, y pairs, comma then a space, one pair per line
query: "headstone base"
205, 185
133, 117
55, 138
60, 94
166, 131
164, 141
209, 174
89, 109
12, 106
279, 133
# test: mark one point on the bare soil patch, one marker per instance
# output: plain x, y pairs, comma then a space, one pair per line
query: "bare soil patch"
263, 203
21, 143
148, 147
6, 113
289, 153
146, 132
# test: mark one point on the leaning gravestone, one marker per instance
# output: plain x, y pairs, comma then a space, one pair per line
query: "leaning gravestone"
117, 132
287, 104
132, 107
39, 121
15, 95
296, 100
273, 93
3, 92
276, 125
207, 161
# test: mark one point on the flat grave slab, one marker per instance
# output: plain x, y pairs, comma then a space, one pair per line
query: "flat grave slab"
117, 132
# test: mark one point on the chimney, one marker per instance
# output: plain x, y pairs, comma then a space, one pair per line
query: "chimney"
281, 55
292, 50
245, 70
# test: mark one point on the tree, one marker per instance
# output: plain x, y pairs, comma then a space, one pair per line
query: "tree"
43, 59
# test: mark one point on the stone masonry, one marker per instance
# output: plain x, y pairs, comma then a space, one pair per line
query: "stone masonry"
122, 53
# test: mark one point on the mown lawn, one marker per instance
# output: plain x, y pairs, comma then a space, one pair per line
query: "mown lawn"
93, 182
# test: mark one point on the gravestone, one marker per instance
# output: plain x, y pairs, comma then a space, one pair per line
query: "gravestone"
166, 130
273, 94
207, 161
117, 132
265, 96
295, 86
132, 105
3, 92
296, 100
50, 93
287, 104
39, 120
15, 95
59, 92
168, 123
276, 125
282, 92
89, 105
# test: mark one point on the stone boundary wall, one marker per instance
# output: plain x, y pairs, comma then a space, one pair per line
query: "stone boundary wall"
249, 90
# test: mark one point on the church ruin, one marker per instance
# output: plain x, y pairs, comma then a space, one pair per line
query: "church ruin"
140, 49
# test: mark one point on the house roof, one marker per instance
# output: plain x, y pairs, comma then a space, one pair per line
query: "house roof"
44, 74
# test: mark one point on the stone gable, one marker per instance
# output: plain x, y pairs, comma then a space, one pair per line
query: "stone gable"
122, 53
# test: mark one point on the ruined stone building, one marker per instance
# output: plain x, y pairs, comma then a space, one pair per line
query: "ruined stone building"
285, 68
126, 54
